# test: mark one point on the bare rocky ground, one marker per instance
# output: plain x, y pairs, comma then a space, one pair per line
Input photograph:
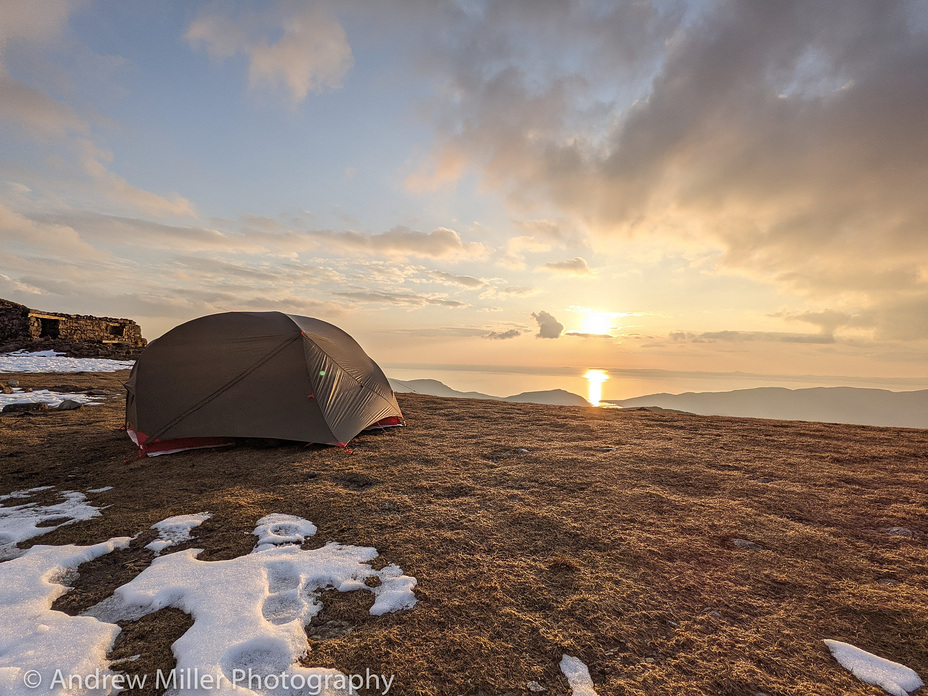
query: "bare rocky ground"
673, 554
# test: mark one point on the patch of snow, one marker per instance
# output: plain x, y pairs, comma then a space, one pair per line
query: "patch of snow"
32, 636
175, 530
892, 677
52, 398
26, 493
21, 522
578, 676
100, 490
277, 529
51, 361
251, 612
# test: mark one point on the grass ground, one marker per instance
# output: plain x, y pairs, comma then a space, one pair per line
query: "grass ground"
536, 531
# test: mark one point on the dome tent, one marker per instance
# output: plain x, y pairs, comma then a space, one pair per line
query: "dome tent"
254, 375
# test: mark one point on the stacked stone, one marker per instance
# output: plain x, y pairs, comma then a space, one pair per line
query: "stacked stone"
75, 335
13, 322
85, 328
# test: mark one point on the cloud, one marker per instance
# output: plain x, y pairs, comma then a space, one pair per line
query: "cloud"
519, 290
513, 252
548, 326
503, 335
19, 232
398, 298
760, 131
35, 111
581, 334
745, 336
558, 231
401, 241
575, 267
461, 280
94, 160
297, 47
439, 332
23, 20
443, 168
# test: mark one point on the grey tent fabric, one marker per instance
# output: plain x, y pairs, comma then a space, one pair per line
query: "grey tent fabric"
255, 375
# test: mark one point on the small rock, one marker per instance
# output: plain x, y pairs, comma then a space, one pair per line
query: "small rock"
608, 449
25, 407
70, 388
714, 613
7, 390
312, 474
764, 479
745, 544
650, 660
673, 623
68, 405
535, 687
522, 450
890, 582
900, 532
27, 389
12, 383
96, 392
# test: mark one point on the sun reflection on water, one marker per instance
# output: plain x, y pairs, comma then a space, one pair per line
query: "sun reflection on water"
596, 379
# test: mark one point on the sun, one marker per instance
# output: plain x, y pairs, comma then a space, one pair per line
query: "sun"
597, 323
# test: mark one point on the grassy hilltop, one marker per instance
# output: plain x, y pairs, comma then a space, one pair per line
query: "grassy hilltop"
536, 531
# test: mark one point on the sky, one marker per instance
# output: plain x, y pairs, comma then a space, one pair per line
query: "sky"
687, 195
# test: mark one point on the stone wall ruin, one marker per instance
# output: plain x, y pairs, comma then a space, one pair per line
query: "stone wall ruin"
74, 334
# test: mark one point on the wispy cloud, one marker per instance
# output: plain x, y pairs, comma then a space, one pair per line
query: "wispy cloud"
503, 335
297, 47
401, 241
575, 267
463, 281
745, 336
408, 299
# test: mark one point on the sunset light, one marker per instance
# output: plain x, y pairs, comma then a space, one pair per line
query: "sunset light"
370, 250
597, 323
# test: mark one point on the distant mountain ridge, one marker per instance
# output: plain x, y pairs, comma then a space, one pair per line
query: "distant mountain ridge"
854, 405
432, 387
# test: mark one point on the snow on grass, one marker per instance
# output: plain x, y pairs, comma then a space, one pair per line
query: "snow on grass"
28, 493
578, 676
22, 522
52, 398
277, 529
175, 530
32, 636
894, 678
50, 361
250, 612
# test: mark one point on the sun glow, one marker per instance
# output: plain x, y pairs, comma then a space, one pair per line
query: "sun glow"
596, 379
597, 323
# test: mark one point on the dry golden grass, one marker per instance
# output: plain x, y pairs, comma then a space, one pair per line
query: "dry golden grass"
622, 557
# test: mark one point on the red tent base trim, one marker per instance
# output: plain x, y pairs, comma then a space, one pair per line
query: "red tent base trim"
388, 422
152, 448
